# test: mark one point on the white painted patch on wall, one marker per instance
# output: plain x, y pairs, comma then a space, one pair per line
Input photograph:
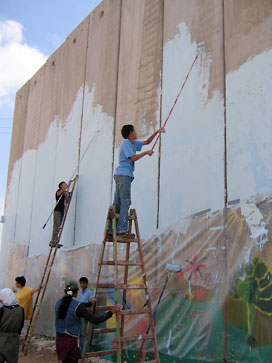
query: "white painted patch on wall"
94, 185
249, 94
8, 233
192, 168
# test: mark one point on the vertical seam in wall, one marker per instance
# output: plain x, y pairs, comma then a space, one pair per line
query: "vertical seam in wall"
80, 132
35, 169
225, 114
159, 158
225, 131
225, 179
21, 165
116, 99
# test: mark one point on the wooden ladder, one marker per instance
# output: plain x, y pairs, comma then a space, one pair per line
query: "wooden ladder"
45, 276
123, 287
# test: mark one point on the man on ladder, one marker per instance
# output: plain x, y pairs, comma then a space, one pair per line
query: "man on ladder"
61, 196
123, 174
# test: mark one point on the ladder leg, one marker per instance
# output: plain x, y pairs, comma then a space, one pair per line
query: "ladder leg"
102, 250
45, 277
125, 291
119, 346
152, 325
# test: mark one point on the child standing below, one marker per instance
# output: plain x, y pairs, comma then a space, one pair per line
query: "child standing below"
123, 174
84, 296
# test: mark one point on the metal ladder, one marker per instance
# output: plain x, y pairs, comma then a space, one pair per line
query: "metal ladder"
46, 275
123, 287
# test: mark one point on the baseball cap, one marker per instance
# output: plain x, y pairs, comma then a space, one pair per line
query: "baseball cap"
71, 285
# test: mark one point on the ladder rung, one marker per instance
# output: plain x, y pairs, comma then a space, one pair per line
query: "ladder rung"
121, 263
121, 286
104, 330
121, 239
136, 337
133, 312
101, 353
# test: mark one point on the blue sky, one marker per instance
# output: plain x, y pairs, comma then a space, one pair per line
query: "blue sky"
30, 30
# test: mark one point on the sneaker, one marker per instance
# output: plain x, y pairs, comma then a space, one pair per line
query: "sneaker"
126, 235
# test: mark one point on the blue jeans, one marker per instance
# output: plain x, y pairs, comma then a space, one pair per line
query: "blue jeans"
122, 201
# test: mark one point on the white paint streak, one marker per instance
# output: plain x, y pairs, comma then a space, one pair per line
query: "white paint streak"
254, 219
169, 341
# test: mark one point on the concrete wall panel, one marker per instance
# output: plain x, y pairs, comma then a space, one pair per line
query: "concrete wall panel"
46, 158
27, 179
139, 84
94, 186
68, 129
192, 158
248, 30
102, 54
204, 20
19, 117
13, 183
249, 94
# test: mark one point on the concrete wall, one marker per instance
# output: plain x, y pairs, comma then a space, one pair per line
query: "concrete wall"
207, 188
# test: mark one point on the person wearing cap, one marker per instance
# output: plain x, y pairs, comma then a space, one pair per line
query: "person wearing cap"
11, 325
68, 313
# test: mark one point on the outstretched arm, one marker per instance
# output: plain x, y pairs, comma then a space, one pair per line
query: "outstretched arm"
82, 312
150, 139
139, 156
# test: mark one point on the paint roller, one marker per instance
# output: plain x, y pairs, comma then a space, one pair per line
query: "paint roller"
172, 267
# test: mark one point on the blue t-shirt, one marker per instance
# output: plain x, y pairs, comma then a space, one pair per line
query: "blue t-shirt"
85, 296
127, 149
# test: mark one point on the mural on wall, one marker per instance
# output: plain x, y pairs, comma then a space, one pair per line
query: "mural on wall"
204, 198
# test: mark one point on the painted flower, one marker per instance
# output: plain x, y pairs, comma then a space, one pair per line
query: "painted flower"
199, 294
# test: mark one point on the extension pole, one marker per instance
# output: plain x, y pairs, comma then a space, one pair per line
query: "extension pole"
164, 286
176, 100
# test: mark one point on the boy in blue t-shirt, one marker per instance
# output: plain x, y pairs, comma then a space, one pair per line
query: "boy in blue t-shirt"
123, 174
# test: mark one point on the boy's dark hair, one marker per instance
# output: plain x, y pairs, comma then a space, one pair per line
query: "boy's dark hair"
83, 279
60, 184
21, 280
126, 130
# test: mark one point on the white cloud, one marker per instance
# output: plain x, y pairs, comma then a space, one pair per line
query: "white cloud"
18, 60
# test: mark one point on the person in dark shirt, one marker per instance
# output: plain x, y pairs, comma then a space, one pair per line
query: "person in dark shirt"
61, 196
68, 312
11, 325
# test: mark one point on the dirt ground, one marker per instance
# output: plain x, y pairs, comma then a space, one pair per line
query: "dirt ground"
43, 350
